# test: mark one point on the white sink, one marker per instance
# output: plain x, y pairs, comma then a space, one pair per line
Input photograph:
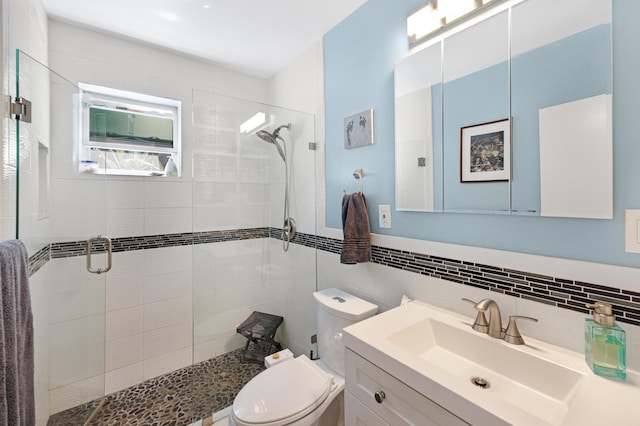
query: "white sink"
513, 376
437, 353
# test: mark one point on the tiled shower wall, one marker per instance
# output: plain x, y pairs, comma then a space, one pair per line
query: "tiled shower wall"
162, 307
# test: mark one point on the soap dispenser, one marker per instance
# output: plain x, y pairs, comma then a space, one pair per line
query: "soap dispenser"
605, 343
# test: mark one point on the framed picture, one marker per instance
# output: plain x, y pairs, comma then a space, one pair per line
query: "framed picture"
485, 152
358, 129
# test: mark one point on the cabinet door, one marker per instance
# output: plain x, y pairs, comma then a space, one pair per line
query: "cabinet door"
356, 414
400, 405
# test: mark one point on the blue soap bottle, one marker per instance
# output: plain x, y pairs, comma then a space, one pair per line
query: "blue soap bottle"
605, 343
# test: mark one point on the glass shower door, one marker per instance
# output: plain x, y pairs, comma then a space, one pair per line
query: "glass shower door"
57, 210
239, 265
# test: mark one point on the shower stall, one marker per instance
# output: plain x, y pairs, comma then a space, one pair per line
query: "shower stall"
191, 256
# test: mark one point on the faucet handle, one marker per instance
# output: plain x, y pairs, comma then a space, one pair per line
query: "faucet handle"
481, 325
512, 334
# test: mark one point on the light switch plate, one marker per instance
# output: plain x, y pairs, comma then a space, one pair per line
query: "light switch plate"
384, 215
632, 231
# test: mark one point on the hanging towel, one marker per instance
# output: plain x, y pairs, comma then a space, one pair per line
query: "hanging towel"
356, 244
17, 406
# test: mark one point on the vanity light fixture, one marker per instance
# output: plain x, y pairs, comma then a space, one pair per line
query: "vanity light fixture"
437, 14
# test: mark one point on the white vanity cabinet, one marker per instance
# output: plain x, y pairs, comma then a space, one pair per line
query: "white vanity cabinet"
374, 397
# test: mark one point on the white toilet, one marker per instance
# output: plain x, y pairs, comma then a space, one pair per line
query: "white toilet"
299, 391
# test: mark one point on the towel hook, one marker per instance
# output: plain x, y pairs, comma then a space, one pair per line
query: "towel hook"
359, 174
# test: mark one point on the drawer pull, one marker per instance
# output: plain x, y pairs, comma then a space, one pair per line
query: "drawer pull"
379, 396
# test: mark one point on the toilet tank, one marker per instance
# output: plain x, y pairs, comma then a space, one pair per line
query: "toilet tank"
335, 311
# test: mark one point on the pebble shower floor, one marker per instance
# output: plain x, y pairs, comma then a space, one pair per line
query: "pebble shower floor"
175, 399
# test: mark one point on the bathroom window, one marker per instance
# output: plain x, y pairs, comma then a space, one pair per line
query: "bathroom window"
127, 133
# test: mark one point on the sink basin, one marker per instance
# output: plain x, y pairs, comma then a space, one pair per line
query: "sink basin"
542, 388
437, 353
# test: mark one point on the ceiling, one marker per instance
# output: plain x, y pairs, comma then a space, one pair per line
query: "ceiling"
258, 37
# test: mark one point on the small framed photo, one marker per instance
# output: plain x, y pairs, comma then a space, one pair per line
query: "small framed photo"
358, 129
485, 152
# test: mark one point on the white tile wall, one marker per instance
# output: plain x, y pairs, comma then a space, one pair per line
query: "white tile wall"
123, 378
124, 351
167, 286
77, 393
167, 339
291, 282
40, 307
167, 194
80, 194
167, 362
122, 193
167, 221
76, 334
73, 292
124, 222
124, 290
167, 260
124, 323
76, 365
166, 313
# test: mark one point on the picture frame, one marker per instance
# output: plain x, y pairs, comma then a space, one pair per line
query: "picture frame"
485, 152
358, 130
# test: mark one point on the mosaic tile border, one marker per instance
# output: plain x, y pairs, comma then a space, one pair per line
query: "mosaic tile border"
39, 259
555, 291
79, 248
558, 292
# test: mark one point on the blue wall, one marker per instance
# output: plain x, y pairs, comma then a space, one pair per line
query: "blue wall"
360, 54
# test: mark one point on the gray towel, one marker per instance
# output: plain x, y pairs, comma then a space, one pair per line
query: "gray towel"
17, 405
356, 244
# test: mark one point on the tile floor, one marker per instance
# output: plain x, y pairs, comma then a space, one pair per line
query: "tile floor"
175, 399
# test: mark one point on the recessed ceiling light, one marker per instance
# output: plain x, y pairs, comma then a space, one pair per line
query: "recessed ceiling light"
206, 6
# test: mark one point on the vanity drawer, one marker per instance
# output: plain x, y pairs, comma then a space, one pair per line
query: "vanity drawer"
357, 414
400, 403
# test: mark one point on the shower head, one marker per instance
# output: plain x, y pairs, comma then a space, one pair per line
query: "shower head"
268, 137
272, 138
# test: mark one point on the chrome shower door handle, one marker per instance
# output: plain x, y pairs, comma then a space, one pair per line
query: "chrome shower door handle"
107, 241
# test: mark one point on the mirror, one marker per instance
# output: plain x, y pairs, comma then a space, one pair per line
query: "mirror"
476, 92
549, 79
418, 107
561, 77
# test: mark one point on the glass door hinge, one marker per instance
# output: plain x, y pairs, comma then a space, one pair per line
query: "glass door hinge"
20, 109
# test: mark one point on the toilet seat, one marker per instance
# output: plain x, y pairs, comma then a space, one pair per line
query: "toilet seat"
282, 394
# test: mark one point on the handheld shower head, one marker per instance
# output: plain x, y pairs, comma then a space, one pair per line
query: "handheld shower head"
289, 227
272, 138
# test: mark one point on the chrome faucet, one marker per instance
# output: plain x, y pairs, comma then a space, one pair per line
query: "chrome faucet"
493, 327
495, 320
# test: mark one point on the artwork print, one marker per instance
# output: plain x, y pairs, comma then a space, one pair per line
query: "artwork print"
358, 129
485, 152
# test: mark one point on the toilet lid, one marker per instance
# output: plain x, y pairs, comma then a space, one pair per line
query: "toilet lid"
287, 391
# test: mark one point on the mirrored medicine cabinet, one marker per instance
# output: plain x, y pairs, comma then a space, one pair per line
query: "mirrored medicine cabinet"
526, 92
